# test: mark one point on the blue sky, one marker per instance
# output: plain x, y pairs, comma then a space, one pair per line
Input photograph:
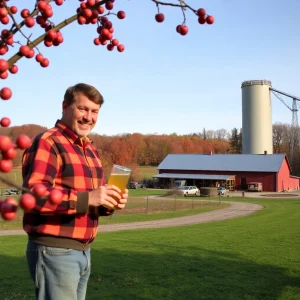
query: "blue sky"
164, 82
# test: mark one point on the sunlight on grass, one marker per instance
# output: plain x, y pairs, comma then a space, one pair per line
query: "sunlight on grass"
254, 258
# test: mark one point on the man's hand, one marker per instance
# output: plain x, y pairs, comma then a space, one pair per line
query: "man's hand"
123, 200
109, 196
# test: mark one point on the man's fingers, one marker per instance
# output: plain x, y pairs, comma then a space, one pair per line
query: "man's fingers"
110, 187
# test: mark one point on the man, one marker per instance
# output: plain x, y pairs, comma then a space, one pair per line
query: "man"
59, 236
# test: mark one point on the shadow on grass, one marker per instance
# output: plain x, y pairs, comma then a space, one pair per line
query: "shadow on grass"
144, 275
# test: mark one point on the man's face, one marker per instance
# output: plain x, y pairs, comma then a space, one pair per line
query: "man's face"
81, 116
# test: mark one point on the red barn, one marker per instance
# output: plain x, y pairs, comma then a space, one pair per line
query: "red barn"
235, 171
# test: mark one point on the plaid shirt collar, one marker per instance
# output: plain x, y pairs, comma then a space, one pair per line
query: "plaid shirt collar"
70, 135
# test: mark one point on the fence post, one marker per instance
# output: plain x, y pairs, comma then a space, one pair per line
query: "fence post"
147, 206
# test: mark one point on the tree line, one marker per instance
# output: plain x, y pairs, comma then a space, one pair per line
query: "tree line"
137, 149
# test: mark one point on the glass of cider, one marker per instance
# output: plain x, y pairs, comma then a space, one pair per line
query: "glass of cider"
119, 177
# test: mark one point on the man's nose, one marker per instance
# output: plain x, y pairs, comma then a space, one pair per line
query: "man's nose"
88, 116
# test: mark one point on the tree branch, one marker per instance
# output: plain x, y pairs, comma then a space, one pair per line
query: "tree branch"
18, 26
181, 5
10, 182
40, 39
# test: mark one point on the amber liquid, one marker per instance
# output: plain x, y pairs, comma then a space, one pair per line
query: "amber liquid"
119, 180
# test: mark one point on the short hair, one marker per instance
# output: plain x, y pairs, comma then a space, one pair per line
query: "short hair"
87, 90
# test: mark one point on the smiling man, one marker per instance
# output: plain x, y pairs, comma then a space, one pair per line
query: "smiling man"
81, 106
59, 236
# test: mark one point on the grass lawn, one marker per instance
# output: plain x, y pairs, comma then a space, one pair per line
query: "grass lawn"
248, 258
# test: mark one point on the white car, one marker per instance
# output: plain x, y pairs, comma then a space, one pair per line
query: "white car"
188, 190
222, 190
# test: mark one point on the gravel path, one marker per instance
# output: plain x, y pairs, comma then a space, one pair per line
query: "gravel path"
235, 210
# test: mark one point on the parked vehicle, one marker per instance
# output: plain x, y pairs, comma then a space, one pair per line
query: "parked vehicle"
12, 192
188, 190
222, 190
136, 185
179, 183
255, 187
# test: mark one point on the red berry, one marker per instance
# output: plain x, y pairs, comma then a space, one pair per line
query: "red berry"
90, 2
100, 10
159, 17
11, 153
210, 20
55, 197
115, 42
5, 93
4, 75
29, 22
110, 47
5, 143
97, 41
13, 9
109, 5
121, 14
25, 13
202, 20
59, 2
13, 69
23, 141
52, 34
6, 165
39, 189
3, 65
5, 122
45, 63
3, 49
9, 208
24, 50
27, 201
120, 48
183, 30
39, 57
201, 12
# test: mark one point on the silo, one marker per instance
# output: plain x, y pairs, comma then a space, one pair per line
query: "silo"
257, 117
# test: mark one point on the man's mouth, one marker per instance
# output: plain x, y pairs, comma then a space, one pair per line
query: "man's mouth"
84, 125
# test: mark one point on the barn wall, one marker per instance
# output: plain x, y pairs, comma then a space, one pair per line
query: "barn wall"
268, 179
285, 181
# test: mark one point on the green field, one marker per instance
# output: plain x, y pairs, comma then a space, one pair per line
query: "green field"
249, 258
147, 172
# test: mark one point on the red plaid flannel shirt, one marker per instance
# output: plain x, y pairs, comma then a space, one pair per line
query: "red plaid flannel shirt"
59, 159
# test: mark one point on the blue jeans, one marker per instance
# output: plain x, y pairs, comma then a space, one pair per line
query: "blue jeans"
58, 273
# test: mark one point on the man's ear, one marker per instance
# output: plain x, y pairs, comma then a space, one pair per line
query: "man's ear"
64, 106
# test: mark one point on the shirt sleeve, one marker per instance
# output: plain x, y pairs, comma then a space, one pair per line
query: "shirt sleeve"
40, 164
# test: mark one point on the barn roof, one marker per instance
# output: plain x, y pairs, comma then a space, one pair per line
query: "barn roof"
194, 176
223, 162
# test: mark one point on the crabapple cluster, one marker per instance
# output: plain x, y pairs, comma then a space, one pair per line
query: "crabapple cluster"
90, 13
182, 29
28, 201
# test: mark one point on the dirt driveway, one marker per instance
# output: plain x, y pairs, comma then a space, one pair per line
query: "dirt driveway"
235, 210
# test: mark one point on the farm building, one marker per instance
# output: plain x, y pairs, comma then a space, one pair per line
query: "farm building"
234, 171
